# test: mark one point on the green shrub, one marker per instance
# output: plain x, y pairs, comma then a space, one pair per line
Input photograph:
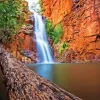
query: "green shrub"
54, 33
10, 18
63, 47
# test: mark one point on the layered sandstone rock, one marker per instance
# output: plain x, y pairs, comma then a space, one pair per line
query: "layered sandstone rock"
23, 46
81, 26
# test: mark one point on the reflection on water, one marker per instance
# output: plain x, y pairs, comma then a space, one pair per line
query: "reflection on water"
82, 80
45, 71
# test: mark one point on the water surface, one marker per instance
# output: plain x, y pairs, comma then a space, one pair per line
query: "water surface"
82, 80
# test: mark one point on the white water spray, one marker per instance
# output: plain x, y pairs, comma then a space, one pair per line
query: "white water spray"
43, 48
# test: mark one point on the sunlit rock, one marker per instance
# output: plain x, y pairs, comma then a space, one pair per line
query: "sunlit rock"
80, 19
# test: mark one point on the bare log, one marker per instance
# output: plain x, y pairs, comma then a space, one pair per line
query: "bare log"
23, 84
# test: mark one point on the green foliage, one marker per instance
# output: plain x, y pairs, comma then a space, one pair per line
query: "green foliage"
63, 47
41, 7
11, 18
54, 33
49, 28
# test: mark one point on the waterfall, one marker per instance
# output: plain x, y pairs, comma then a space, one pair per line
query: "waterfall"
44, 52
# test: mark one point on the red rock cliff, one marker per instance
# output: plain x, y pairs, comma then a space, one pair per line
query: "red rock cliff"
81, 24
56, 9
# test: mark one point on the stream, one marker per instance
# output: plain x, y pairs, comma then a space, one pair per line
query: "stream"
82, 80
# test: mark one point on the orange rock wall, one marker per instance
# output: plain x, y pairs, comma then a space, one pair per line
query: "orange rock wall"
81, 24
55, 10
22, 42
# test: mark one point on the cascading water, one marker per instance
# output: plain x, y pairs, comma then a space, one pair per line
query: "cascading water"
43, 48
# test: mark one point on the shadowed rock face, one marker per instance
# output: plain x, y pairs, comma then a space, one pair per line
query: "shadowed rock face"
23, 46
81, 26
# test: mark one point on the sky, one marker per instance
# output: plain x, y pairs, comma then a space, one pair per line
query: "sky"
34, 4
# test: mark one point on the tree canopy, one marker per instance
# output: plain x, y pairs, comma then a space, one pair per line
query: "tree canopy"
11, 18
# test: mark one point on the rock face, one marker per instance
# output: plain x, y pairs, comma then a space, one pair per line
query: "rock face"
81, 24
56, 9
23, 46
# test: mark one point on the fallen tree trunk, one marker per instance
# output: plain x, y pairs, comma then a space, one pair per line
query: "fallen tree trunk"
23, 84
